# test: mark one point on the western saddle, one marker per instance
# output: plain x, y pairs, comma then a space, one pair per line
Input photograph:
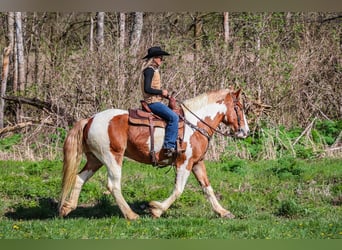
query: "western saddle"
143, 116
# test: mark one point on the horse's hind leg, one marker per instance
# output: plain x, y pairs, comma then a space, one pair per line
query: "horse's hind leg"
200, 173
92, 165
114, 167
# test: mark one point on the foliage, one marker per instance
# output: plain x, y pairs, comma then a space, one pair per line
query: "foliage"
286, 198
7, 143
327, 131
272, 143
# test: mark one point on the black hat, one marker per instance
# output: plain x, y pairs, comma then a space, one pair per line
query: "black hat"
155, 51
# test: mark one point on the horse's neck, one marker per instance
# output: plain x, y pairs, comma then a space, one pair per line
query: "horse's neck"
203, 107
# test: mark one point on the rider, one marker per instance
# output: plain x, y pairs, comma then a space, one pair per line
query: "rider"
153, 95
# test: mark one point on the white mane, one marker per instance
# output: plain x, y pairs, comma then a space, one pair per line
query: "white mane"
206, 104
199, 102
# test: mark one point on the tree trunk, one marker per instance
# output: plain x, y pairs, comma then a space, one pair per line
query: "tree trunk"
11, 39
198, 23
36, 34
91, 35
5, 65
122, 71
136, 32
100, 30
122, 24
10, 20
226, 27
20, 52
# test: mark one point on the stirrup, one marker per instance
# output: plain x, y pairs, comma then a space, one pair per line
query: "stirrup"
169, 152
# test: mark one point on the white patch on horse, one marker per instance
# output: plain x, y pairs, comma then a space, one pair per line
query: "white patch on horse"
84, 176
159, 134
210, 111
246, 124
200, 107
98, 138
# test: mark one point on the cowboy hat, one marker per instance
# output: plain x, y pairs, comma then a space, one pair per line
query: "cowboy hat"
155, 51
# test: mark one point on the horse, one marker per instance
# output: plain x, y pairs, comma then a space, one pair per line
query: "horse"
107, 137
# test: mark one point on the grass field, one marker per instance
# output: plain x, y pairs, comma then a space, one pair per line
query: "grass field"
283, 199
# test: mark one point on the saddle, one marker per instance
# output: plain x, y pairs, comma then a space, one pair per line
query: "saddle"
143, 116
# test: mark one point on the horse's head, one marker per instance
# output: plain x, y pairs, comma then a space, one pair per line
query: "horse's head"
235, 116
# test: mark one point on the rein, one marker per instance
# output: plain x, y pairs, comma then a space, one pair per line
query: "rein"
202, 131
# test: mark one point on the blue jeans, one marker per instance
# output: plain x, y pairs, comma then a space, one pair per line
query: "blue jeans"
171, 118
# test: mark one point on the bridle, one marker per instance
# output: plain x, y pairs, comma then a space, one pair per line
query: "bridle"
236, 107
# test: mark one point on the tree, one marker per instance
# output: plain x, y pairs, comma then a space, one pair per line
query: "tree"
122, 24
136, 32
122, 35
20, 52
198, 25
5, 66
91, 34
100, 29
226, 27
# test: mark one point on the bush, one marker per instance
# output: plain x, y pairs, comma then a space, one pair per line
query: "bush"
9, 142
275, 143
327, 130
289, 209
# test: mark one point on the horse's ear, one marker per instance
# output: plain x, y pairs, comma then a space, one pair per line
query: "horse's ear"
237, 93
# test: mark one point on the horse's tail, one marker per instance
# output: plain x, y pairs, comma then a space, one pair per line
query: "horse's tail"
73, 149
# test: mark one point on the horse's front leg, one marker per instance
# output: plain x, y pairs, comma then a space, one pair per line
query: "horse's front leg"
200, 172
157, 208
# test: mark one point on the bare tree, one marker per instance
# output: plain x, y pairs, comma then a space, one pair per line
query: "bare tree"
100, 29
198, 25
226, 27
122, 24
91, 34
20, 52
136, 32
5, 66
10, 20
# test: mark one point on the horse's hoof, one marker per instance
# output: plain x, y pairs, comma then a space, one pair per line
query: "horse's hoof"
132, 216
228, 215
64, 211
155, 209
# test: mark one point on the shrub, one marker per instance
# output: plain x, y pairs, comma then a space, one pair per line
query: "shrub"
289, 209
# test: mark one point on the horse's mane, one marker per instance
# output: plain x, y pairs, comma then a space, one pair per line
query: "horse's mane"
204, 99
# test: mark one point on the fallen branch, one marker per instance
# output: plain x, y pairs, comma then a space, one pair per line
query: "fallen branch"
337, 151
41, 105
305, 131
338, 140
15, 127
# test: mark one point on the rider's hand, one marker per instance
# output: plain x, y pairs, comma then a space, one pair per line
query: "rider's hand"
165, 93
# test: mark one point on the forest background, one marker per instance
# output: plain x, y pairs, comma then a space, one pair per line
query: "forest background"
60, 67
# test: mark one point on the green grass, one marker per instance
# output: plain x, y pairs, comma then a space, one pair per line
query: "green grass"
281, 199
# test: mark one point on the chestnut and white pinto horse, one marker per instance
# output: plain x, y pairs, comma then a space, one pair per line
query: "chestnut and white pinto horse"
107, 137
